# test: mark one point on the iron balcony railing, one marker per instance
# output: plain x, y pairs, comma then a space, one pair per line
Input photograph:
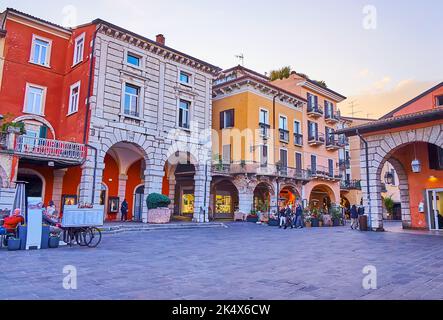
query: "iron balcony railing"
317, 138
350, 184
49, 149
321, 172
315, 109
332, 142
344, 163
343, 140
284, 135
332, 116
3, 140
298, 139
259, 168
264, 129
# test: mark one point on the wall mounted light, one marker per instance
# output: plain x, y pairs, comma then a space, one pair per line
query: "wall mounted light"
416, 164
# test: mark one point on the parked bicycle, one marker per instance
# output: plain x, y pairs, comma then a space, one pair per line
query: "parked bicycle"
83, 236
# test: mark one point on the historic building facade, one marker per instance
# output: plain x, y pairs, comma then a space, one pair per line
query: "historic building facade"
258, 159
321, 145
410, 138
109, 115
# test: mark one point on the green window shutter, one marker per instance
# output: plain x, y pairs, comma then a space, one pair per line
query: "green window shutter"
43, 132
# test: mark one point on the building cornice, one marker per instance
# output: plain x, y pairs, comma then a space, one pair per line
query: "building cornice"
308, 84
154, 47
262, 86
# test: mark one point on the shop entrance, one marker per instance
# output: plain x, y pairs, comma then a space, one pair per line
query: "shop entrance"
138, 204
435, 209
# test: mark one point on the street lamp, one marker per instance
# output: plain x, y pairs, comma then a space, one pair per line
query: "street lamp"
416, 166
389, 178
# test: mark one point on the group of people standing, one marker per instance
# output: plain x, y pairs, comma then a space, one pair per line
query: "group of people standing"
356, 212
291, 216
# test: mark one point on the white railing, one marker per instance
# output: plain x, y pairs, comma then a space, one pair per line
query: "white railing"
50, 149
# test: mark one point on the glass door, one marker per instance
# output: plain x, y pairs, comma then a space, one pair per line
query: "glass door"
435, 209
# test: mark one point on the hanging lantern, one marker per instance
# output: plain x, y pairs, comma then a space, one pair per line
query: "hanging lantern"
389, 178
416, 166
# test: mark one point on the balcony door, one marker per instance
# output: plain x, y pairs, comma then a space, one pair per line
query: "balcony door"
284, 159
313, 130
435, 209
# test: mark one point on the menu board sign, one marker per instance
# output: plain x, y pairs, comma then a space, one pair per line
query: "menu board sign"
75, 217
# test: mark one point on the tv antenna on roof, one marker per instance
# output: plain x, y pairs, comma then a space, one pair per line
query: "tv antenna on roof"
241, 57
352, 106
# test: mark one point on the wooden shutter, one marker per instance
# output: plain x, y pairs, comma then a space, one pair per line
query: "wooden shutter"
222, 120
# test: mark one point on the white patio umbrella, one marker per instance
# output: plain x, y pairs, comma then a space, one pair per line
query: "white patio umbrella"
20, 198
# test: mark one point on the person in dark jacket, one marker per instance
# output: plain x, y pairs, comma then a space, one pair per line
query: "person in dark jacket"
299, 216
124, 210
289, 217
354, 217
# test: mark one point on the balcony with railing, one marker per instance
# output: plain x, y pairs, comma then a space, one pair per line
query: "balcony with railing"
284, 135
260, 169
344, 164
346, 185
317, 139
332, 117
264, 130
315, 111
324, 173
49, 150
298, 139
343, 140
332, 144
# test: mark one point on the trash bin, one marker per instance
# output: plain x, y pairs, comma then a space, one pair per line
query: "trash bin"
363, 222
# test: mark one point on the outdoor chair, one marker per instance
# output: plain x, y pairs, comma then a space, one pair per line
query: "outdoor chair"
10, 233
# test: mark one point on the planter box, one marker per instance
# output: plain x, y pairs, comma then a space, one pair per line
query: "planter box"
159, 216
54, 242
14, 244
273, 223
252, 219
336, 222
315, 223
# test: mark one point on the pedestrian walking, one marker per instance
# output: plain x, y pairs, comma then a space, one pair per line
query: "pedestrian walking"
282, 216
289, 217
354, 217
124, 210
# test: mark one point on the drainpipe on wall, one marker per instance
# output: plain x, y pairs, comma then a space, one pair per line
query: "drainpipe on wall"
88, 105
277, 192
368, 188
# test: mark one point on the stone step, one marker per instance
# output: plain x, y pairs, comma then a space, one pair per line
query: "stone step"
155, 227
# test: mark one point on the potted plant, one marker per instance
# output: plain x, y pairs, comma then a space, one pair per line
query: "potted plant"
320, 218
158, 211
336, 216
252, 217
54, 242
308, 218
13, 127
389, 205
315, 217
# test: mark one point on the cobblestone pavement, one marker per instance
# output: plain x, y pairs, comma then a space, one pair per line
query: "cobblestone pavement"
244, 261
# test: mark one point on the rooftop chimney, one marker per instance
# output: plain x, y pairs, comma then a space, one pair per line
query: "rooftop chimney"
160, 39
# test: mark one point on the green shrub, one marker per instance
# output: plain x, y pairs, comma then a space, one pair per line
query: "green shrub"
156, 200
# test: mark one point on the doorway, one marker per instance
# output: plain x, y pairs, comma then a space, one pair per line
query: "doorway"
138, 204
435, 209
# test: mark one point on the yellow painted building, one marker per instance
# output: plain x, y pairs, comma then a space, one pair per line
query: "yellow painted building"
257, 144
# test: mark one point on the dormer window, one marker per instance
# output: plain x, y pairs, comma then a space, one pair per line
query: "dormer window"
439, 101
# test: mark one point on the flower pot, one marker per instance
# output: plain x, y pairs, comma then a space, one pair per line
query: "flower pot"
14, 244
273, 223
159, 216
252, 219
320, 223
336, 222
315, 223
53, 242
308, 224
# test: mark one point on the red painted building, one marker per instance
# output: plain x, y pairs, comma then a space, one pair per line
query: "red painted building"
44, 84
411, 139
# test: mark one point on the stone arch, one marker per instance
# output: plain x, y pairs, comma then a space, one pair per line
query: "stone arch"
38, 119
381, 148
326, 189
28, 171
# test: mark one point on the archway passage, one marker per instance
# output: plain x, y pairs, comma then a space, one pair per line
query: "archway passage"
289, 196
262, 197
226, 199
138, 203
125, 165
321, 198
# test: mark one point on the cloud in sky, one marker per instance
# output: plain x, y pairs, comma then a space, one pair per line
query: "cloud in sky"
379, 100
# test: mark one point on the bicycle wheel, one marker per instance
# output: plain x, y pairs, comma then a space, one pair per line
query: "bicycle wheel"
93, 237
81, 237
